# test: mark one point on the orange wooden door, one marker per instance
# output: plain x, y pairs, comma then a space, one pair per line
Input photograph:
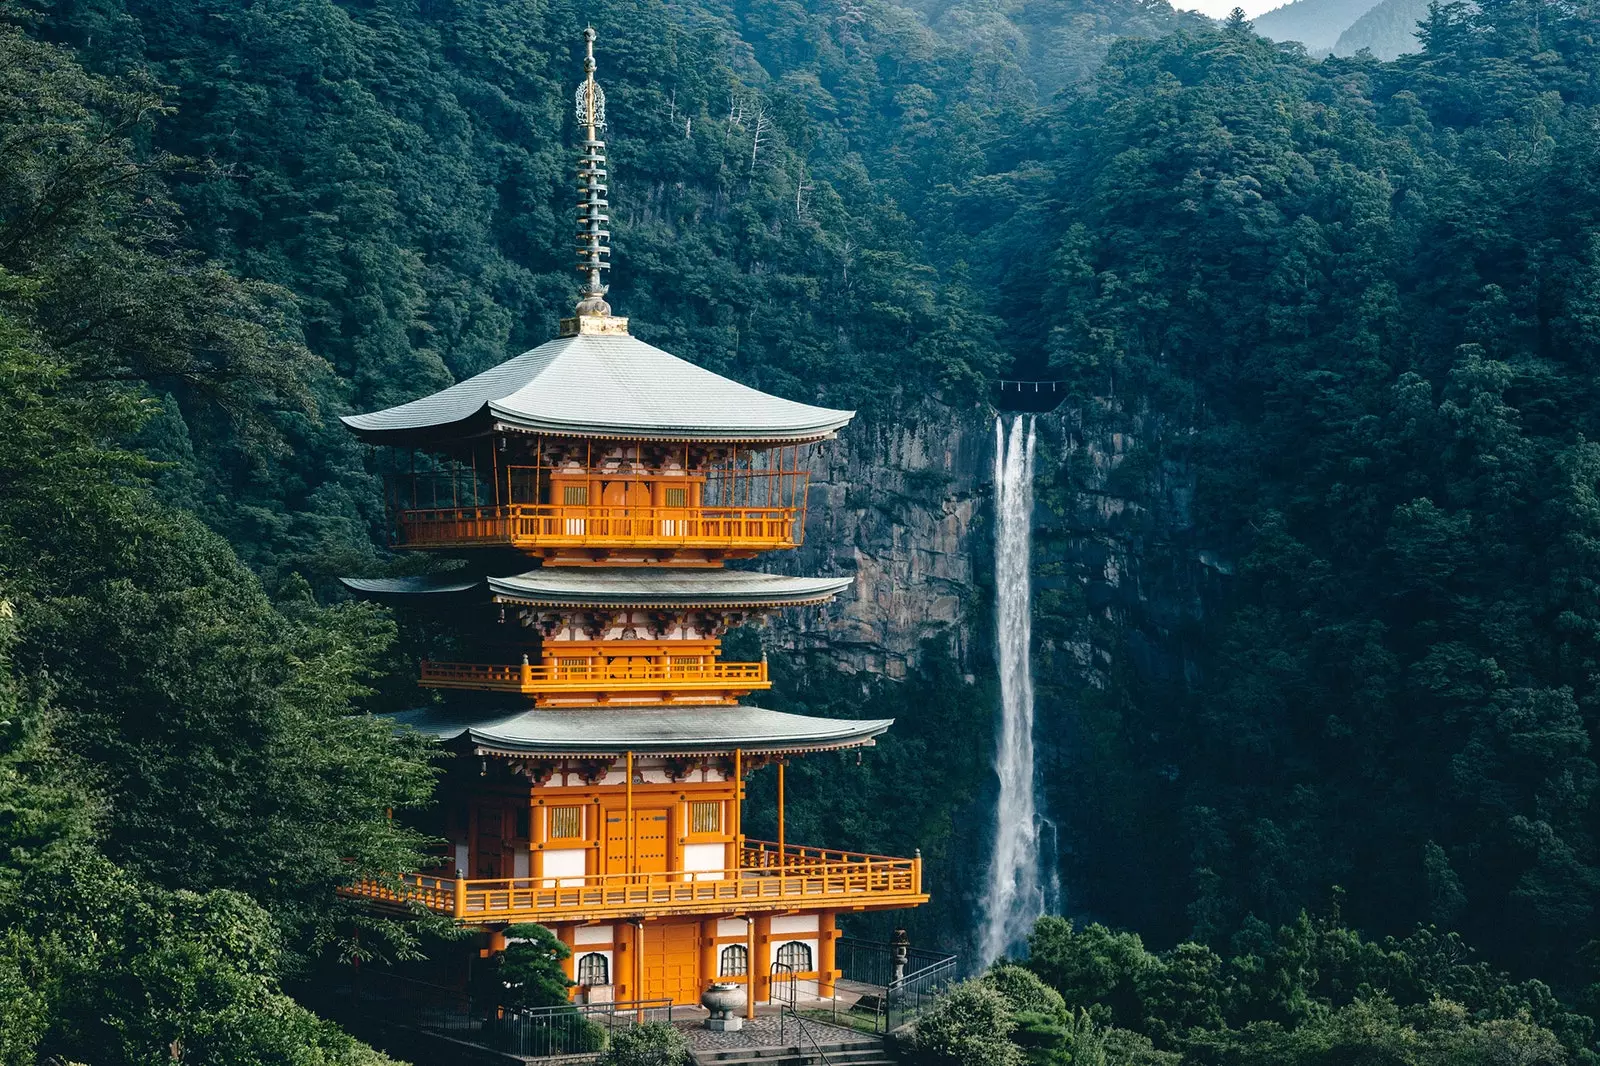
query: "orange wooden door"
672, 962
650, 846
650, 840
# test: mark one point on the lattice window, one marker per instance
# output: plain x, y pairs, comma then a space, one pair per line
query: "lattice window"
796, 956
575, 495
705, 816
734, 962
677, 497
566, 822
686, 660
594, 969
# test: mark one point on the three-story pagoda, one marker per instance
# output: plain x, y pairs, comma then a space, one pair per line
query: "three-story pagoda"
603, 746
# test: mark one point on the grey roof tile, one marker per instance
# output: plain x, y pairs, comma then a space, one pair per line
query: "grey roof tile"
606, 385
580, 731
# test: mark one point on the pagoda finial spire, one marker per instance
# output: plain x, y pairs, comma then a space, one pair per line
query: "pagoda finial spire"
593, 247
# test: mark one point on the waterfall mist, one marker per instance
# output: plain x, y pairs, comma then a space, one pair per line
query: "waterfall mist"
1015, 896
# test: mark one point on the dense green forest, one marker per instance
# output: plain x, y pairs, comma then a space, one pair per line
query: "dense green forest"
1356, 302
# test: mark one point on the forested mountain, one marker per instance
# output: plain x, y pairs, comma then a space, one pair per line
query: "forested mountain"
1388, 30
1348, 307
1316, 24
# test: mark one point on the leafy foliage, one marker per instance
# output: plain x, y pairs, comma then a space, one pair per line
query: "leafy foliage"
528, 972
649, 1044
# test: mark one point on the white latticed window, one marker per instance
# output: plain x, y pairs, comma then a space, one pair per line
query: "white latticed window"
796, 956
735, 961
593, 969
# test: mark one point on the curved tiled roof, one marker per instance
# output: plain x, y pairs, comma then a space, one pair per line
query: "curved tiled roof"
561, 586
604, 385
586, 731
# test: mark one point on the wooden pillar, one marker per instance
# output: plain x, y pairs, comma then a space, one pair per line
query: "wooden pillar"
761, 960
638, 962
628, 826
749, 967
708, 952
827, 952
780, 813
569, 965
622, 964
738, 804
537, 835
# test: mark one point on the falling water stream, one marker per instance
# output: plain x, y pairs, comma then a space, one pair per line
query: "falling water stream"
1015, 897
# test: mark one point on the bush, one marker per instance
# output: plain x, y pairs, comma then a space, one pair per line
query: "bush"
970, 1025
1024, 990
652, 1044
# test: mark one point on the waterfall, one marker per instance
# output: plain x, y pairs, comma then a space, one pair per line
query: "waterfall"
1015, 897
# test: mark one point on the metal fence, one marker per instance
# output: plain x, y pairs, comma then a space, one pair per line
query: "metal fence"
900, 981
534, 1032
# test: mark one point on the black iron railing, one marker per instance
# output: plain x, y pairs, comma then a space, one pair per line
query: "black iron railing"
533, 1032
896, 982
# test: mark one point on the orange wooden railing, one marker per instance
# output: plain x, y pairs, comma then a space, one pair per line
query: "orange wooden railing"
579, 678
815, 878
561, 526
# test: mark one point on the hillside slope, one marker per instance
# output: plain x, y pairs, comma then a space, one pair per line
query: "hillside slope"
1388, 31
1316, 24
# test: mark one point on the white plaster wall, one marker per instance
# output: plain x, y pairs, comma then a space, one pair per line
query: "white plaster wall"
519, 863
731, 926
795, 923
705, 857
592, 934
564, 868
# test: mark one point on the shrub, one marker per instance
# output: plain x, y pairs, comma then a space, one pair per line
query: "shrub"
1024, 990
652, 1044
970, 1025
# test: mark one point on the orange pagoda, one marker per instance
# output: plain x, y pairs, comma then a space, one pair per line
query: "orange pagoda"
598, 486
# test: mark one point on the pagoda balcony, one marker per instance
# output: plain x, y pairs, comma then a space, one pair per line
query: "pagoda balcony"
600, 530
770, 877
600, 678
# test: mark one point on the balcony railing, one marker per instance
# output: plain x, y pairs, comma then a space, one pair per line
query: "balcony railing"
534, 526
803, 877
609, 677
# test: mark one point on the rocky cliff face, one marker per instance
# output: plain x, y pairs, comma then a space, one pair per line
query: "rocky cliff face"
898, 505
902, 505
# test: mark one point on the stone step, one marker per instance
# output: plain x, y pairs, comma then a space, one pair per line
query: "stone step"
843, 1053
794, 1057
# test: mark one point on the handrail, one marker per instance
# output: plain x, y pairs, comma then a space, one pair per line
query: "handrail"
597, 525
863, 878
767, 854
792, 1007
536, 677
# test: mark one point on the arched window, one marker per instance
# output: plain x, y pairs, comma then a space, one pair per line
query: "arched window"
735, 961
796, 956
593, 969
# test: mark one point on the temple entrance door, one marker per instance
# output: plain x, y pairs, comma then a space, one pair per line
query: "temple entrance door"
650, 855
650, 841
628, 506
672, 962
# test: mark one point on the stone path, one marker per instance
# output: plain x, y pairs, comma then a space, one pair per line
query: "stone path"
762, 1032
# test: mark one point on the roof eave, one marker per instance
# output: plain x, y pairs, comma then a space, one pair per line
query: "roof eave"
505, 423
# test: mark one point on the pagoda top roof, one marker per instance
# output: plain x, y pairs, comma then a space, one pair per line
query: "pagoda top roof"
588, 731
601, 385
617, 586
